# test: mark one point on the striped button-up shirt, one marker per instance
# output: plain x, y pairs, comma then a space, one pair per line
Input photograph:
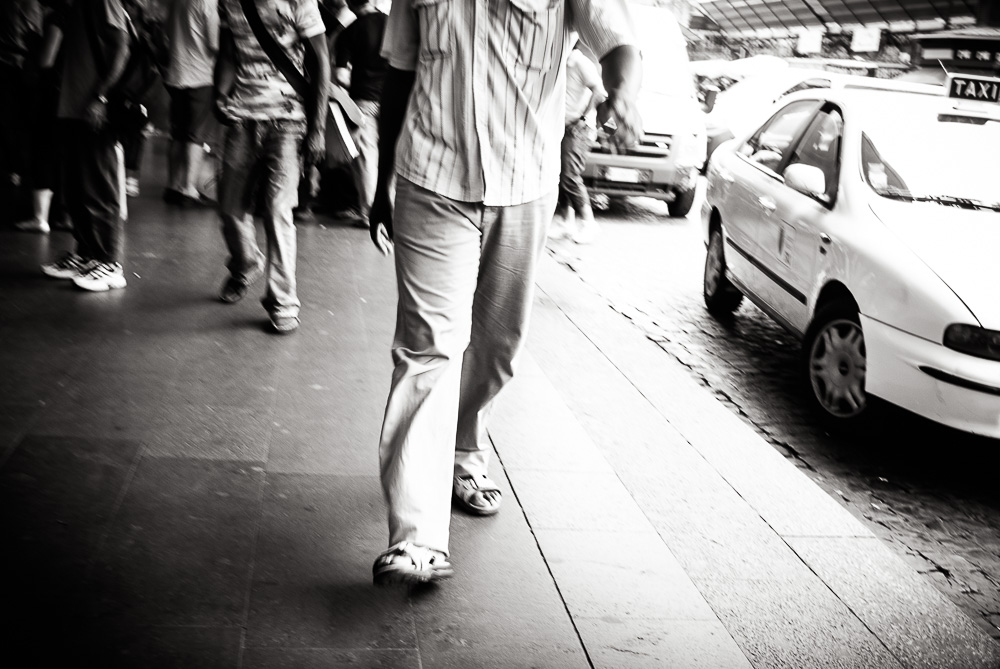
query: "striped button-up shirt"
486, 115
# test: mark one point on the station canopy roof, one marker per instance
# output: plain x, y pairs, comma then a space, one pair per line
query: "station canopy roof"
783, 17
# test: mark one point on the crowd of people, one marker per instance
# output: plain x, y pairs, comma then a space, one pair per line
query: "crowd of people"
460, 134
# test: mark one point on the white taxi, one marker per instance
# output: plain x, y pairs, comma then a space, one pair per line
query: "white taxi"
868, 223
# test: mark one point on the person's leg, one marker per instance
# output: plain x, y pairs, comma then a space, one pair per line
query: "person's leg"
365, 166
236, 199
72, 165
562, 220
577, 143
513, 239
196, 135
175, 150
437, 248
280, 155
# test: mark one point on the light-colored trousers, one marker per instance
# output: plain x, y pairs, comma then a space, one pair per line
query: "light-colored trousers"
365, 166
465, 275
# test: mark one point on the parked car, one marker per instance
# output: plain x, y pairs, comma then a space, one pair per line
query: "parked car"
741, 106
867, 223
666, 162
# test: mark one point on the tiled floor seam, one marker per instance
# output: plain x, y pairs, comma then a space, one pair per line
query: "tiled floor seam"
140, 454
252, 566
548, 568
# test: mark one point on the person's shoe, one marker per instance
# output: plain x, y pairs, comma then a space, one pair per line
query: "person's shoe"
478, 495
587, 232
132, 187
284, 324
101, 277
33, 225
234, 289
69, 266
561, 226
409, 564
304, 215
173, 196
347, 215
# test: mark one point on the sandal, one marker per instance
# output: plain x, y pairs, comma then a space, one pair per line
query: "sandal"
469, 492
409, 563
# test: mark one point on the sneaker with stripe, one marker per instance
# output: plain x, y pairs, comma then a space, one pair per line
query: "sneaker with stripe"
69, 266
102, 276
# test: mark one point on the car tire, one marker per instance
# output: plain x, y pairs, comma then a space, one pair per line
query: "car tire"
834, 364
721, 297
681, 205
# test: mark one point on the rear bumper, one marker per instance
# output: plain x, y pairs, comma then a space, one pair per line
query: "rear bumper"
946, 386
661, 177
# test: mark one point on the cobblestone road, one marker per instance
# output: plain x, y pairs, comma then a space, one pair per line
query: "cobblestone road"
930, 492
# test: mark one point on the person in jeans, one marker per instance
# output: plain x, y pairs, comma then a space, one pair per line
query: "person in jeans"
360, 63
476, 100
267, 121
193, 38
92, 163
584, 91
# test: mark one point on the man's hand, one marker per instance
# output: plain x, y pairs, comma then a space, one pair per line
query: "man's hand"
380, 221
624, 113
315, 148
97, 114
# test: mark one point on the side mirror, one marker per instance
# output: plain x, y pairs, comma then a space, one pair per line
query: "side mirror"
807, 179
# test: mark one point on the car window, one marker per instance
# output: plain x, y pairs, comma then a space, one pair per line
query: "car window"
807, 84
767, 146
820, 147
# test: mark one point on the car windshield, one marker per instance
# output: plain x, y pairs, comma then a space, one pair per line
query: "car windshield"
927, 155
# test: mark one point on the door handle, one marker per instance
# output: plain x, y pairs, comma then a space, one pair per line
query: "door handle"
767, 203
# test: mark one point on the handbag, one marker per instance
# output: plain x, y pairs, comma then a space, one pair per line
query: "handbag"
341, 110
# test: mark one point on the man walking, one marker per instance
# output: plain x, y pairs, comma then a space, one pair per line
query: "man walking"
267, 121
478, 90
193, 38
358, 48
584, 92
95, 51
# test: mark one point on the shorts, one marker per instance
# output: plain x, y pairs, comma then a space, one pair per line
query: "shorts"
191, 114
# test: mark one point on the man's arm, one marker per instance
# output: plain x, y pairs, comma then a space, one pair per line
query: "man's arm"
97, 112
224, 77
316, 134
621, 70
395, 97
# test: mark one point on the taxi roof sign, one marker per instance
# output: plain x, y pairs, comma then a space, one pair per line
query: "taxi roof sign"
974, 87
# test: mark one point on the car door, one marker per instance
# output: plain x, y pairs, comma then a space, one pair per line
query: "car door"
791, 237
751, 173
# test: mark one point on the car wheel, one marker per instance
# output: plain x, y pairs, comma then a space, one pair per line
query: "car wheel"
721, 297
681, 204
835, 363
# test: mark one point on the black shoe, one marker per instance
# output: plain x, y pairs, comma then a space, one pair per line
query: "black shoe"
304, 215
171, 196
233, 290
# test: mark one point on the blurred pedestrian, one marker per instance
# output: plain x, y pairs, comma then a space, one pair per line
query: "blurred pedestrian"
20, 35
584, 91
361, 68
43, 163
267, 121
476, 100
193, 43
92, 165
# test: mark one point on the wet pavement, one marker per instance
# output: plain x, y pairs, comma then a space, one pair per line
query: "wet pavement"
928, 491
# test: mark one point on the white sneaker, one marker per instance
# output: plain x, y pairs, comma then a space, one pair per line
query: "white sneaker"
561, 226
70, 266
102, 276
587, 232
32, 225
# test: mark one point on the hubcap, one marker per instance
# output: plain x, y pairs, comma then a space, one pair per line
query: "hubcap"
837, 368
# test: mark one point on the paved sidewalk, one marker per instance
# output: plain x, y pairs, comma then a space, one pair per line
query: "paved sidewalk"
179, 488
